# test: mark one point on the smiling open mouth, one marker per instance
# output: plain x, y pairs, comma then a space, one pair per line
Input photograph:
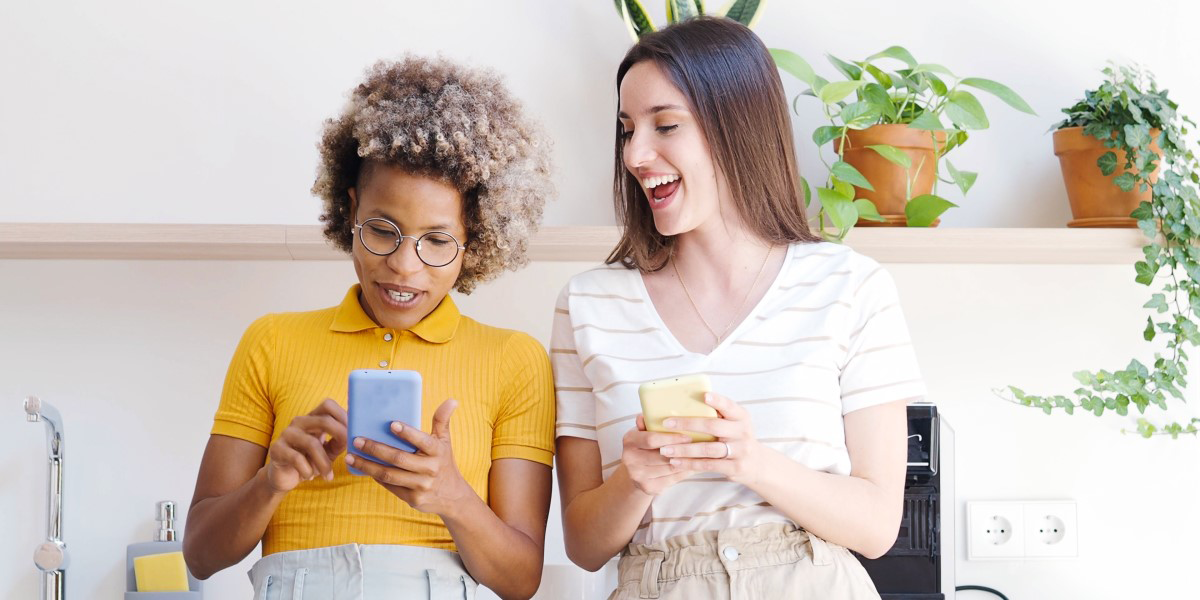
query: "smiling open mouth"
661, 187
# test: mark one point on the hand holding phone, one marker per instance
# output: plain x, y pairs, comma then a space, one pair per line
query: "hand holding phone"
377, 398
676, 397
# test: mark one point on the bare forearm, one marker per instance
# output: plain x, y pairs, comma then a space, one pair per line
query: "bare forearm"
222, 530
600, 522
497, 555
846, 510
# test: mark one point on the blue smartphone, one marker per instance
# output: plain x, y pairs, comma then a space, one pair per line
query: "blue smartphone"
376, 398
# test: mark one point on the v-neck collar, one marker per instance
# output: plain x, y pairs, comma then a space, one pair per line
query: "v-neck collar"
640, 285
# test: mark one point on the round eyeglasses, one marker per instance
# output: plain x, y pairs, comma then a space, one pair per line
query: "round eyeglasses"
382, 237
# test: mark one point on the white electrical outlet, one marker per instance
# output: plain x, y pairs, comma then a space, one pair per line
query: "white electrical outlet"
995, 530
1051, 530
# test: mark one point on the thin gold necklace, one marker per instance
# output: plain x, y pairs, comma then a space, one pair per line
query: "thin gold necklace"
733, 321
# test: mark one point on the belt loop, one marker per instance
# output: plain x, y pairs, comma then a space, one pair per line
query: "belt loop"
264, 584
650, 572
298, 585
821, 556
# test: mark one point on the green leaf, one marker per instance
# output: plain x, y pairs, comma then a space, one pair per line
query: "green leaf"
807, 192
1126, 181
884, 79
867, 210
825, 134
923, 210
745, 12
963, 179
1000, 91
1137, 136
893, 154
1107, 163
939, 86
1158, 302
877, 97
849, 70
846, 172
637, 20
933, 68
1145, 210
795, 65
927, 121
839, 208
1148, 334
837, 91
964, 109
681, 10
897, 53
1145, 273
859, 115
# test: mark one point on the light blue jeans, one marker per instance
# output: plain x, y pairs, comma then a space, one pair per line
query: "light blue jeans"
357, 572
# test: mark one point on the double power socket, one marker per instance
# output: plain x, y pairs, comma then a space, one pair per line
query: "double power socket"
1022, 529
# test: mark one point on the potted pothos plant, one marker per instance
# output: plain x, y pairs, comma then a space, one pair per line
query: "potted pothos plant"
1146, 149
891, 122
639, 23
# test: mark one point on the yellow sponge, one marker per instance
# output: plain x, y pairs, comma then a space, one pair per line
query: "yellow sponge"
160, 572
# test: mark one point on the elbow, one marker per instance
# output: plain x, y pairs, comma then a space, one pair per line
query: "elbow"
877, 545
583, 559
193, 561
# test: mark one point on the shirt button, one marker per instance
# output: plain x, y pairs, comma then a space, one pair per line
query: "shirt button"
382, 363
730, 553
387, 337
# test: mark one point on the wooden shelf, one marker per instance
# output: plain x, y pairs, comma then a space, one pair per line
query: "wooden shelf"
572, 243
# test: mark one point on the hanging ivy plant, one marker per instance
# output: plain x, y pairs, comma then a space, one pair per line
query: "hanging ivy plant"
1124, 113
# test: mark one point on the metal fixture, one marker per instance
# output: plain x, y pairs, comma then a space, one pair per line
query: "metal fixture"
51, 555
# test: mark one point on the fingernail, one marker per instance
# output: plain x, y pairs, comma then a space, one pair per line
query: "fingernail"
349, 459
329, 476
709, 399
359, 442
669, 423
397, 426
667, 451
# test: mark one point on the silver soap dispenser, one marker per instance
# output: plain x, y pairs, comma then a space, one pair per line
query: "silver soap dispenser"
166, 539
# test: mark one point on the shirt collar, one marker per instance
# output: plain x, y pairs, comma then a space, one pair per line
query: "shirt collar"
437, 327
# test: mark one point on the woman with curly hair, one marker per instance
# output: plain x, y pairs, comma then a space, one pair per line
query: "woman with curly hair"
432, 179
804, 343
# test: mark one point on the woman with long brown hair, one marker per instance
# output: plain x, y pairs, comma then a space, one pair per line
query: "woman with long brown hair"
717, 272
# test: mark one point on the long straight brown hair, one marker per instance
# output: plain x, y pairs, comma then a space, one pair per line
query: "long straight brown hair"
736, 95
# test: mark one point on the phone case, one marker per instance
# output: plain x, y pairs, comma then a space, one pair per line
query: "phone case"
376, 398
676, 397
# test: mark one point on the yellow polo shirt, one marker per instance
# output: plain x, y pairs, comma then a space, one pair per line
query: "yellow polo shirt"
286, 364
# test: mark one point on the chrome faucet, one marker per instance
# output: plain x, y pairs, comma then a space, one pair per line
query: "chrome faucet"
51, 555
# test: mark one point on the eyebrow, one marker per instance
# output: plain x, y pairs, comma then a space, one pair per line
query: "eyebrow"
655, 110
437, 227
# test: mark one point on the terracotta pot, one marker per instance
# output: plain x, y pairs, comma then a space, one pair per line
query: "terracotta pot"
1095, 200
888, 178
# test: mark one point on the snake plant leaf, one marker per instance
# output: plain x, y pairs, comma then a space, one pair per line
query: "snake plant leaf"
896, 52
1000, 91
795, 65
681, 10
846, 172
745, 12
637, 20
923, 210
964, 109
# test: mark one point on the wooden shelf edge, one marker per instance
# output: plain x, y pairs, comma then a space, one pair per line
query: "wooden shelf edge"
945, 245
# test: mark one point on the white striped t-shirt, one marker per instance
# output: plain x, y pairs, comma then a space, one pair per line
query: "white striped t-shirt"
827, 338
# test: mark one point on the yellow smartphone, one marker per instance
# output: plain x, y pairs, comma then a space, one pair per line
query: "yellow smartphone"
676, 397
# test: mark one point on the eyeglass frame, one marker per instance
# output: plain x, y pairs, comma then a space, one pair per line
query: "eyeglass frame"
459, 248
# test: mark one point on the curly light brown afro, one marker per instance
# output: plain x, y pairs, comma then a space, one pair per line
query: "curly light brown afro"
459, 124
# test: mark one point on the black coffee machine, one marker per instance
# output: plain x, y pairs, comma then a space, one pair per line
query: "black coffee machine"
920, 566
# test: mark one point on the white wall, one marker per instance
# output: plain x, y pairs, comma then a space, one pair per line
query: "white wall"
134, 353
208, 112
